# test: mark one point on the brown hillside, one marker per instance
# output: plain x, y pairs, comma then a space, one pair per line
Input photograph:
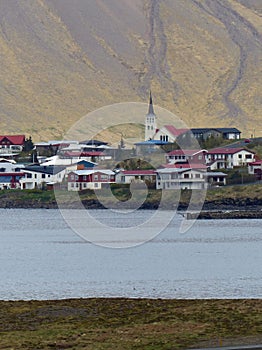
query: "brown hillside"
61, 59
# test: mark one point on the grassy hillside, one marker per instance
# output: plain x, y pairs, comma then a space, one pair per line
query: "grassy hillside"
63, 59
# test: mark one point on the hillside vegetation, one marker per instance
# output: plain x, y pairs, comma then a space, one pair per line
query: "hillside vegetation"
62, 59
100, 324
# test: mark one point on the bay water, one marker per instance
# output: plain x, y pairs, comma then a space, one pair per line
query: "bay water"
43, 258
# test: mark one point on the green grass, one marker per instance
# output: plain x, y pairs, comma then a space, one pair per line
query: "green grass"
99, 324
18, 198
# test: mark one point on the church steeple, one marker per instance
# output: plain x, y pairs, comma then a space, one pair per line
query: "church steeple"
151, 107
150, 121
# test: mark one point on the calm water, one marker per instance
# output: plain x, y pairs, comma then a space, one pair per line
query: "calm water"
41, 258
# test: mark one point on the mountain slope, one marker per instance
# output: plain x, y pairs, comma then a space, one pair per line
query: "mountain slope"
61, 59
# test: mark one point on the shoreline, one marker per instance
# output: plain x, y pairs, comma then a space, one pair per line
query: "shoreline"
231, 203
210, 210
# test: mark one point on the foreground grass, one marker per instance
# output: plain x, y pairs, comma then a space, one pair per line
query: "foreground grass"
98, 324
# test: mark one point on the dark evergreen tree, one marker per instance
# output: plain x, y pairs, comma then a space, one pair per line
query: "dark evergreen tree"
28, 145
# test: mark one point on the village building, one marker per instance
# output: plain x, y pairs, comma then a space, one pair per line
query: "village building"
81, 165
150, 146
150, 121
255, 168
38, 176
192, 156
169, 133
129, 176
176, 178
202, 134
228, 158
11, 145
10, 180
10, 174
193, 178
90, 179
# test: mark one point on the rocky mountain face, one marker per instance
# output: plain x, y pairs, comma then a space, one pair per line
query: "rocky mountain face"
61, 59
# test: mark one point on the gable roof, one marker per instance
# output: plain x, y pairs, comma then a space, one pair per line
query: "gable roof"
174, 131
229, 130
257, 162
48, 169
138, 172
94, 142
221, 130
14, 139
83, 154
186, 152
93, 171
184, 165
228, 150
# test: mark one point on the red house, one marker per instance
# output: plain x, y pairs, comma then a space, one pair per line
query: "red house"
89, 179
11, 143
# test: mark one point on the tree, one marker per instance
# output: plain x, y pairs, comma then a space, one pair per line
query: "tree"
28, 145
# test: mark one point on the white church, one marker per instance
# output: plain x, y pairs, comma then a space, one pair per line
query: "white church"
168, 133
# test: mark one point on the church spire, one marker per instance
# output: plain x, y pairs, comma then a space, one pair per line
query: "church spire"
150, 121
151, 107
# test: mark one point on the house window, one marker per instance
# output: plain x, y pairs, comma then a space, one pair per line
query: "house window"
72, 185
43, 176
85, 185
197, 176
248, 156
104, 177
35, 176
186, 176
96, 184
84, 177
240, 156
29, 176
95, 177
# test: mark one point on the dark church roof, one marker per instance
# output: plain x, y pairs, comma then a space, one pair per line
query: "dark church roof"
150, 107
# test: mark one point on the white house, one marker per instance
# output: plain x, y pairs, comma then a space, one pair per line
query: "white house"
179, 178
169, 133
255, 168
128, 176
35, 176
227, 158
193, 156
188, 178
10, 166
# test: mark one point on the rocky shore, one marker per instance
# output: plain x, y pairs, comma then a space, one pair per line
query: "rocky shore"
218, 209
